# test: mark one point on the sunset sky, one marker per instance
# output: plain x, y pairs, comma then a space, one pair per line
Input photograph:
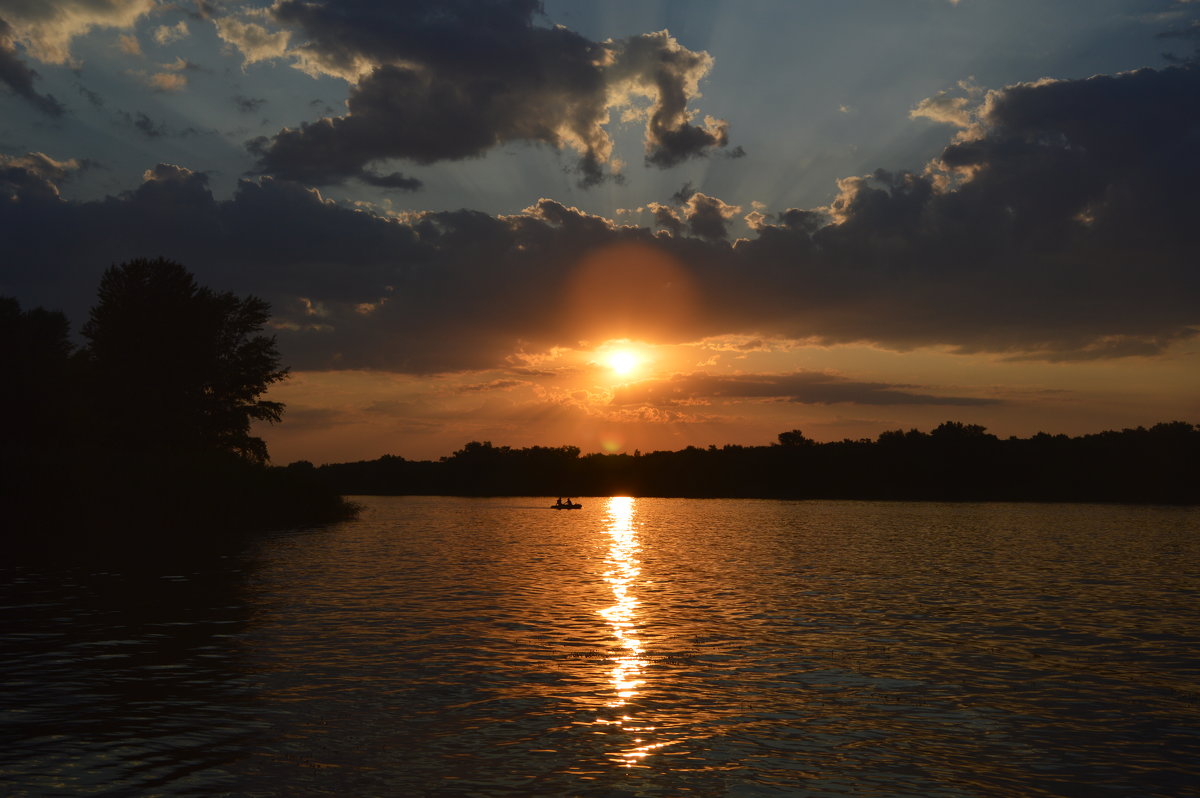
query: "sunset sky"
636, 224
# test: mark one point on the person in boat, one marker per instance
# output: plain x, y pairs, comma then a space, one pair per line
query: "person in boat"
559, 502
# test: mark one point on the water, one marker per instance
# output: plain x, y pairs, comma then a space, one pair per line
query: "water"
653, 647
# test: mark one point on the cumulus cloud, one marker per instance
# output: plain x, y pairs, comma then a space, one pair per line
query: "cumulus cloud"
804, 387
667, 218
434, 81
657, 67
252, 39
709, 217
165, 34
958, 108
34, 176
1067, 233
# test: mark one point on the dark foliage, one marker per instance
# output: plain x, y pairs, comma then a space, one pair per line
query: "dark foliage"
143, 436
955, 462
176, 367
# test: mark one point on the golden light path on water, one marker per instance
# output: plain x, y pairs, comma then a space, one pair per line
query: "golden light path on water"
628, 660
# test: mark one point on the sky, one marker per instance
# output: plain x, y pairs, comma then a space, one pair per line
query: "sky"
634, 225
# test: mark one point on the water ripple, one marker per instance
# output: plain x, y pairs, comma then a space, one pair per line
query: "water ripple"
637, 647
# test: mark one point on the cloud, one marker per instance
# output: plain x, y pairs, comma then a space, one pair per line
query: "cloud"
91, 96
708, 217
493, 385
253, 40
1066, 230
436, 81
1190, 33
46, 27
804, 387
167, 81
165, 34
684, 193
181, 64
394, 181
34, 176
152, 129
171, 78
667, 218
656, 66
18, 77
129, 44
960, 107
248, 105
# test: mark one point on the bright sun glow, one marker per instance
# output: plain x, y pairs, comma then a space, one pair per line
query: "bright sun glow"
623, 361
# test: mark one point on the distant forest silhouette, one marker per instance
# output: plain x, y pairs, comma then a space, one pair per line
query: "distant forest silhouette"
954, 462
144, 432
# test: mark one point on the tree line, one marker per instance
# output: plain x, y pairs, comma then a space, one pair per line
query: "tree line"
954, 462
145, 428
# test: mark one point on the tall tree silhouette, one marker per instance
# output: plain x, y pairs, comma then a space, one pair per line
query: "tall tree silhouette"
178, 368
35, 349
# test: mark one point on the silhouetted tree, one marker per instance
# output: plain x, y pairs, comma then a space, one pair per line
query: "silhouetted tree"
35, 400
35, 363
177, 367
795, 438
956, 461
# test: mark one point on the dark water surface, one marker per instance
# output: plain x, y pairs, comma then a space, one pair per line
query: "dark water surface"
653, 647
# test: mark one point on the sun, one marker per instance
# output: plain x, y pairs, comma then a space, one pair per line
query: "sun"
623, 362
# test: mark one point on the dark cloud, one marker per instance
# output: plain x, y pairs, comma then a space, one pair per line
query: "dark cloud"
33, 177
395, 181
144, 124
1060, 226
674, 71
709, 217
19, 77
1189, 34
183, 65
435, 81
493, 385
202, 10
151, 129
806, 387
248, 105
684, 193
667, 218
704, 216
91, 96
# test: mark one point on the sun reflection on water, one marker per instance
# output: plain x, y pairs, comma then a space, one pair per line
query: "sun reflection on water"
628, 660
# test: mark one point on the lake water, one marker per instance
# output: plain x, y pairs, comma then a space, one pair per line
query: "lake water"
636, 647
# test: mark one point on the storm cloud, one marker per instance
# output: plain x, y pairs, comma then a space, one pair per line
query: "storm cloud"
1062, 227
436, 81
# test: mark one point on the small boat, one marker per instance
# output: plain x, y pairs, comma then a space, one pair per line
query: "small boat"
567, 506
